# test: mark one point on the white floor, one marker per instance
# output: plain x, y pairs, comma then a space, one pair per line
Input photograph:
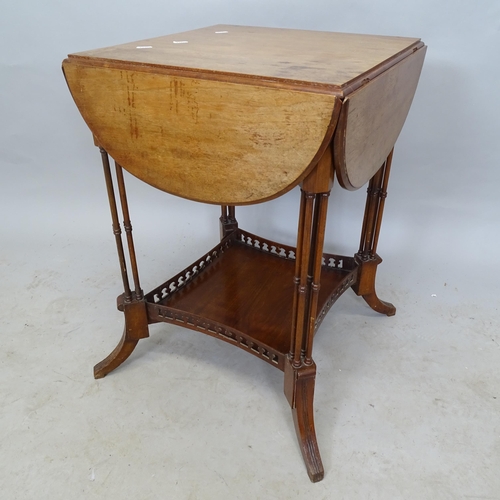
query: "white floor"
406, 407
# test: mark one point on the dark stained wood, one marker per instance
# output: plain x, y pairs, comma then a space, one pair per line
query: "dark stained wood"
131, 303
116, 224
119, 354
299, 390
228, 222
136, 328
300, 369
367, 258
382, 197
128, 231
261, 307
301, 278
317, 283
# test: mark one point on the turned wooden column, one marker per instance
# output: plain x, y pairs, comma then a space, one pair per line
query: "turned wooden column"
131, 303
367, 257
300, 369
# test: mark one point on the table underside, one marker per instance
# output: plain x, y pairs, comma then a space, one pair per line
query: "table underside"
241, 292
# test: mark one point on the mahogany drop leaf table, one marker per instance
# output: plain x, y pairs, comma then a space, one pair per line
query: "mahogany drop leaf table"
234, 115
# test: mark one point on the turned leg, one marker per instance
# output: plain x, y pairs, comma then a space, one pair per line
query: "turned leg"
367, 258
300, 369
131, 303
228, 222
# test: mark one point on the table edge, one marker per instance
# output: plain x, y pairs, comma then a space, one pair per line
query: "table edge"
241, 78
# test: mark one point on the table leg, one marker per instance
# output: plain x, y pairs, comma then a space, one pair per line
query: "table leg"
136, 328
131, 303
302, 381
228, 222
300, 369
367, 258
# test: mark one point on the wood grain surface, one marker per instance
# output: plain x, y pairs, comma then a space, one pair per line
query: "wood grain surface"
204, 140
371, 120
331, 61
261, 307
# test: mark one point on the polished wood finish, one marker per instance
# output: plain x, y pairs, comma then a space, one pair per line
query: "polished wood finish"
299, 389
237, 115
170, 123
131, 303
136, 328
316, 61
228, 222
211, 288
371, 120
367, 257
117, 231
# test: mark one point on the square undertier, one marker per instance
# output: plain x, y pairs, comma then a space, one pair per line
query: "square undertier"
251, 291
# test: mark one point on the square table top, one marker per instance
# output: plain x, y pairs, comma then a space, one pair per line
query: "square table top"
334, 62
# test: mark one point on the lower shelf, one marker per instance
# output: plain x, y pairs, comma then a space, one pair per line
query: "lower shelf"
242, 292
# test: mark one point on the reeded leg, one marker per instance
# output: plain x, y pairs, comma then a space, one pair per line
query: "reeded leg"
367, 258
300, 369
299, 389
